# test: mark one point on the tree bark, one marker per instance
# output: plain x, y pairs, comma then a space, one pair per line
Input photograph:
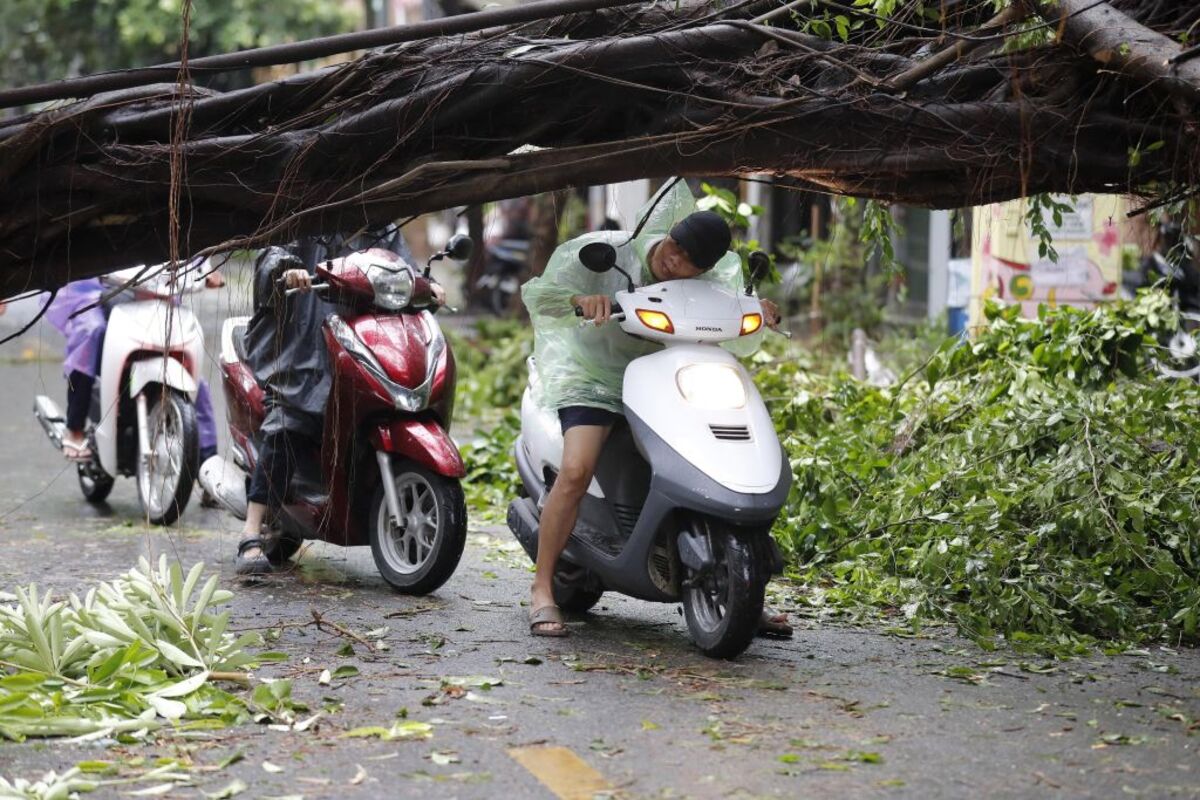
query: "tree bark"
629, 93
1122, 44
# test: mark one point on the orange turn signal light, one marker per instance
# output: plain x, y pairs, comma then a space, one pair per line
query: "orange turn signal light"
751, 323
656, 320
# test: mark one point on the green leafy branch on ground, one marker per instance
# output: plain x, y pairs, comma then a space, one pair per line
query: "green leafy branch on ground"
1038, 483
133, 654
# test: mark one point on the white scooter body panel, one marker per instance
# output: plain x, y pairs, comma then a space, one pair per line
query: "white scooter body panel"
700, 311
541, 432
142, 327
746, 462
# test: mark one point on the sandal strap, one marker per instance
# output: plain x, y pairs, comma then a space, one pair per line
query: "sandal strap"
546, 615
247, 544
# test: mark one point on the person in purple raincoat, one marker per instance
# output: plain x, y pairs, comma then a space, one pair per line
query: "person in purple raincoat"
78, 314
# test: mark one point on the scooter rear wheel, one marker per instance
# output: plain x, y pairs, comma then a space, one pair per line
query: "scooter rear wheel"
421, 553
95, 486
571, 596
722, 606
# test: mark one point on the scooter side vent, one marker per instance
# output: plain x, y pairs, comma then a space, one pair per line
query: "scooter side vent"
730, 433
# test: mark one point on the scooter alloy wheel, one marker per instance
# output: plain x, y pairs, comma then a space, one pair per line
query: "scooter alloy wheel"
166, 472
722, 606
420, 553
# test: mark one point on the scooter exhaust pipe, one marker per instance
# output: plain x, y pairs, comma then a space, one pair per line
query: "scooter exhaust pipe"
226, 482
50, 418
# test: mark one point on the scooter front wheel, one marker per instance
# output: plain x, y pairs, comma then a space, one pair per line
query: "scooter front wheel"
168, 467
420, 551
722, 605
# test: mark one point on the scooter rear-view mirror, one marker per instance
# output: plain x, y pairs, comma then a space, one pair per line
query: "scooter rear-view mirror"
760, 268
460, 247
600, 257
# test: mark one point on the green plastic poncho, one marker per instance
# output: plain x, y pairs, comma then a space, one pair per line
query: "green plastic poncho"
584, 365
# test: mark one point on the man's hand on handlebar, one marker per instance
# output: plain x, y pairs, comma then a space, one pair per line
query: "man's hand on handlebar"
438, 292
297, 279
594, 307
771, 314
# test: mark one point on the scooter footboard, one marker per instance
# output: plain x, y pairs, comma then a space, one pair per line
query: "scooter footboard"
424, 441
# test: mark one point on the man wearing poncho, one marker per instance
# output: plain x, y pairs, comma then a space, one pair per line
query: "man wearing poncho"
581, 368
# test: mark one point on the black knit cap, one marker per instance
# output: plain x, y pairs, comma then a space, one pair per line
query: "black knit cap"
704, 236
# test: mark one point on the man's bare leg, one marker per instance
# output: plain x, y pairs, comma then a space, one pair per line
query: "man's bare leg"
581, 450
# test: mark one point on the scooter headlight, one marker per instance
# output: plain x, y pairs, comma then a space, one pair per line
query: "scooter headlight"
393, 286
711, 386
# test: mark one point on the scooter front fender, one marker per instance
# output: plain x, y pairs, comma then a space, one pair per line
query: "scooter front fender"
168, 371
424, 441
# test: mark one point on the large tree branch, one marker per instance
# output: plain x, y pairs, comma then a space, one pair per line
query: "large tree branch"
581, 100
1122, 44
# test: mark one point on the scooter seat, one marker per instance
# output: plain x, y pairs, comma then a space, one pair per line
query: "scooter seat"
239, 342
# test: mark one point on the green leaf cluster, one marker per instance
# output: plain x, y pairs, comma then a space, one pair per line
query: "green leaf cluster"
491, 379
737, 213
1037, 483
132, 652
42, 40
491, 366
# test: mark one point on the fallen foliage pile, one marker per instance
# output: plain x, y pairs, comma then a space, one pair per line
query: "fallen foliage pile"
133, 653
1039, 482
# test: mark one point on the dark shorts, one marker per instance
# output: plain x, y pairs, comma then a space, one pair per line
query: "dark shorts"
570, 416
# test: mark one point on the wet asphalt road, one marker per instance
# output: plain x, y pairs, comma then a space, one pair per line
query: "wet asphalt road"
839, 711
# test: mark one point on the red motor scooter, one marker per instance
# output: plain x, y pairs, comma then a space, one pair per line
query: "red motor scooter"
387, 473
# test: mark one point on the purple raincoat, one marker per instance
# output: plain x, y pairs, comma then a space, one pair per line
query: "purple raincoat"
85, 339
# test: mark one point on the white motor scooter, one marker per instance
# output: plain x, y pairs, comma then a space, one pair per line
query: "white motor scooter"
684, 495
142, 420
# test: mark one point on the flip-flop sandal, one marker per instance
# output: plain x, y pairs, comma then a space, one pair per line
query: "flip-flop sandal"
774, 626
540, 620
256, 565
79, 453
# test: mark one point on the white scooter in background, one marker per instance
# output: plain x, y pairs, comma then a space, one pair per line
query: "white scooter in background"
684, 495
142, 420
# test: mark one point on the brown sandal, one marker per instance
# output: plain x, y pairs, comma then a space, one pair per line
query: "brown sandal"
547, 616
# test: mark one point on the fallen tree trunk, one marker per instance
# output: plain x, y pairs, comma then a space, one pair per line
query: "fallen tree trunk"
594, 98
